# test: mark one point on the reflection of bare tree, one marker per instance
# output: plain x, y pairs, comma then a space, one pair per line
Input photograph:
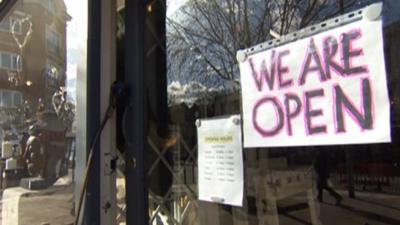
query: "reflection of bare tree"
204, 36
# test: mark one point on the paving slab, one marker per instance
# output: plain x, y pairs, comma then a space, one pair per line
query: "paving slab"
51, 206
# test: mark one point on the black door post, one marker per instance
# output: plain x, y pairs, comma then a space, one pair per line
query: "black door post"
135, 123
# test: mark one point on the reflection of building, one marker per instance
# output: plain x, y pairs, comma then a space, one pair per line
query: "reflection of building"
43, 61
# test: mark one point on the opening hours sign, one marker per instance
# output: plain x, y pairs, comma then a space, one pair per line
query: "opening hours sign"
326, 89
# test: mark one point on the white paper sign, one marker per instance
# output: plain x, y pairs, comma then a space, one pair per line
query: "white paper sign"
321, 90
220, 160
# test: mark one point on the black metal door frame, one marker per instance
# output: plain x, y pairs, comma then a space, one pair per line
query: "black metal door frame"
91, 210
135, 156
145, 77
135, 121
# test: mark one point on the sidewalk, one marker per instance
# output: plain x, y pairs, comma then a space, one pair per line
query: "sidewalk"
53, 207
366, 208
50, 206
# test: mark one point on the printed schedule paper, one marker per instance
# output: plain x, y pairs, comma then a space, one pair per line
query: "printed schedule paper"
220, 160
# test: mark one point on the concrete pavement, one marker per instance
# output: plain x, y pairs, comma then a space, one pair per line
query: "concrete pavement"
365, 209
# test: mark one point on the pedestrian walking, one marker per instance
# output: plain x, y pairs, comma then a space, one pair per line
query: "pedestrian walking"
323, 167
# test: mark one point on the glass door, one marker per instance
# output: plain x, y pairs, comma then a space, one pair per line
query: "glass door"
191, 76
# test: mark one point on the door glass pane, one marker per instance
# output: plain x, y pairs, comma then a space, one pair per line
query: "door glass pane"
36, 117
307, 183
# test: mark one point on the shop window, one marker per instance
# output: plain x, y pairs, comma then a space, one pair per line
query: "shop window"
7, 99
17, 99
53, 75
52, 71
53, 41
5, 60
51, 6
216, 30
5, 24
8, 23
15, 62
9, 61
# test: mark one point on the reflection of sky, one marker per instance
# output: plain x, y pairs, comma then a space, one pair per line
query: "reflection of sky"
173, 5
76, 36
71, 80
76, 40
77, 28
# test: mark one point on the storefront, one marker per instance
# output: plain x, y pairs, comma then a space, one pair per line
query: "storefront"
201, 112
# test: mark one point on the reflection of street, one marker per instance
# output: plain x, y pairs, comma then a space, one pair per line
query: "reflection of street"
20, 206
367, 208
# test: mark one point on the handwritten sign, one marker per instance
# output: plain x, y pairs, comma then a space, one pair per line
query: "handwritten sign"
321, 90
220, 160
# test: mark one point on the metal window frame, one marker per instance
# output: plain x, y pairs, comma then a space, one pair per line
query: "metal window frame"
53, 40
108, 190
88, 118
